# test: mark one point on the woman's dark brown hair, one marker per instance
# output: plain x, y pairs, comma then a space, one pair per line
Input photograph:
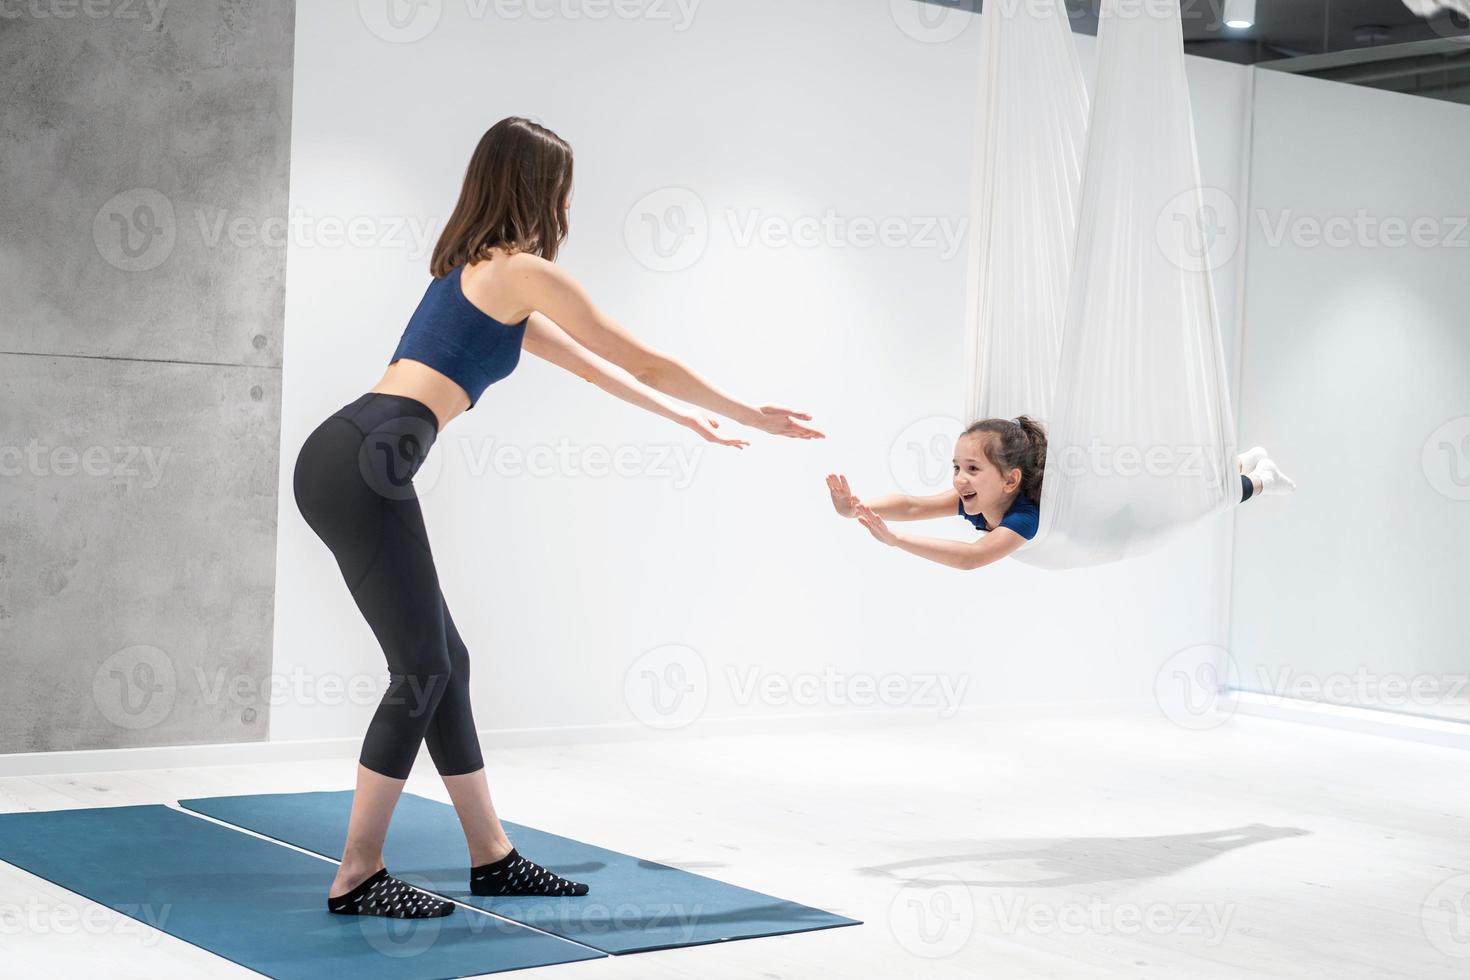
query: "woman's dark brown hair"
1018, 443
518, 179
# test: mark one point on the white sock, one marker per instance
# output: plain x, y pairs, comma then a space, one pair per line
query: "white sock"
1251, 458
1273, 481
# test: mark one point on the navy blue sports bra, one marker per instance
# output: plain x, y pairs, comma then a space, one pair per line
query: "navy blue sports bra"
459, 340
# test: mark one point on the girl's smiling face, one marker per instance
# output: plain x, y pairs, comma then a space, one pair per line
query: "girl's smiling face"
979, 484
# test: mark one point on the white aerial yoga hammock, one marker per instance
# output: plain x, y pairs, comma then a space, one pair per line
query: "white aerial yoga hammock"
1023, 217
1428, 8
1128, 372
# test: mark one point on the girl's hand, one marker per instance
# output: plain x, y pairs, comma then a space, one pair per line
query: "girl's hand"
706, 425
869, 519
843, 500
782, 422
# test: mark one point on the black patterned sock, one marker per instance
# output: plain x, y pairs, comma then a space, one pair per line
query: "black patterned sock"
382, 894
514, 875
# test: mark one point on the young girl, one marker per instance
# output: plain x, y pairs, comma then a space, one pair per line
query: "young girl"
495, 293
998, 469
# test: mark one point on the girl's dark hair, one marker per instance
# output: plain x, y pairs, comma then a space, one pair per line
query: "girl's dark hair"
1019, 443
514, 188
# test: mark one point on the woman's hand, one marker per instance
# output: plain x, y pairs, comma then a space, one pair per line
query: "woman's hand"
782, 422
843, 500
869, 519
706, 425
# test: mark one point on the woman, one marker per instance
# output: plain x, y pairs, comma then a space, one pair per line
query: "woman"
998, 469
496, 292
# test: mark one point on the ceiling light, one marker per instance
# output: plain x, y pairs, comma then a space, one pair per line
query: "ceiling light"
1240, 14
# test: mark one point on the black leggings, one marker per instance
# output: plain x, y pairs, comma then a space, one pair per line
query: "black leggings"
354, 485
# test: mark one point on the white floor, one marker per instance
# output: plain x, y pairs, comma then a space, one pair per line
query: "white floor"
1021, 844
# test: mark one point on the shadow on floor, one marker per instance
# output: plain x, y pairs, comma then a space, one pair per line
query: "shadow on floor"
1056, 862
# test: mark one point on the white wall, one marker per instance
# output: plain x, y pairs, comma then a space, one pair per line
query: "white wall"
1355, 376
560, 583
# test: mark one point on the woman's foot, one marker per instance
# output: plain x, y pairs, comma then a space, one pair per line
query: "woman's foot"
1251, 458
352, 873
514, 875
490, 853
1272, 480
382, 894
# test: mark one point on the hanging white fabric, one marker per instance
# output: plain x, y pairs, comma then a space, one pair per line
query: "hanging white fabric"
1141, 432
1428, 8
1030, 131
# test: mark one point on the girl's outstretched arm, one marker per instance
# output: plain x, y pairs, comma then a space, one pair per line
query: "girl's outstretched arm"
548, 341
993, 546
893, 506
547, 288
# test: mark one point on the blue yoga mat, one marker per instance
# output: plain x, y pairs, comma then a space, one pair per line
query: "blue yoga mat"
632, 905
253, 901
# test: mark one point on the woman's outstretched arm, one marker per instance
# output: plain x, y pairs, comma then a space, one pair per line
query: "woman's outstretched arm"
893, 506
993, 546
547, 288
549, 342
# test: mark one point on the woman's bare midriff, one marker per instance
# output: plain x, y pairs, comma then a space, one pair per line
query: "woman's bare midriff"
415, 379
